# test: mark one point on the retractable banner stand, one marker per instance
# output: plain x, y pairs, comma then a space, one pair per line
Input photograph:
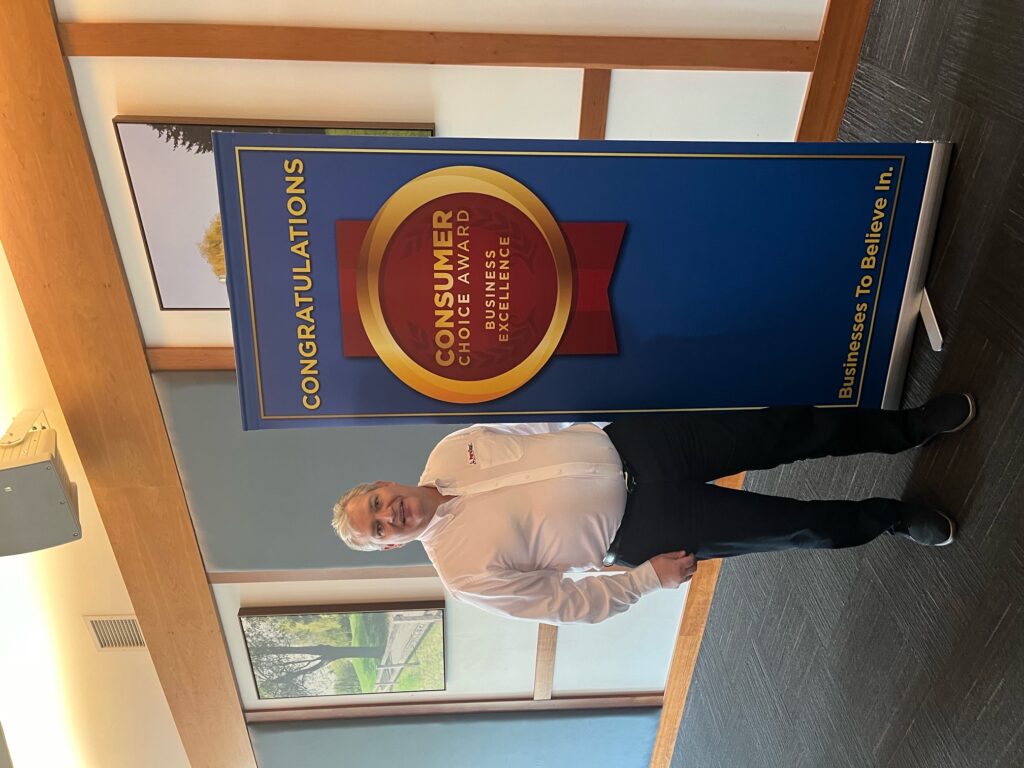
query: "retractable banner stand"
478, 280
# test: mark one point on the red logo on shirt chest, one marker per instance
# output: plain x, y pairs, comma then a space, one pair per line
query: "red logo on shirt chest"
472, 453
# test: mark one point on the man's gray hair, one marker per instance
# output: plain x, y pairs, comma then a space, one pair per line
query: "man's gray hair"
343, 525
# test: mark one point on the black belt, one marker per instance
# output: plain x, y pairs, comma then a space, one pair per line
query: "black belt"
612, 555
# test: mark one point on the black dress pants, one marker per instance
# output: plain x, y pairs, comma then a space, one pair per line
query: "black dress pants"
671, 458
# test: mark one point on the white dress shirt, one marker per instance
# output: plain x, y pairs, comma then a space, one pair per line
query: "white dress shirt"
532, 503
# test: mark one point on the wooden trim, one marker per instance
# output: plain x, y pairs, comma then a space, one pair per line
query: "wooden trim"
687, 648
684, 659
616, 701
842, 34
323, 574
544, 677
244, 41
84, 321
594, 103
191, 358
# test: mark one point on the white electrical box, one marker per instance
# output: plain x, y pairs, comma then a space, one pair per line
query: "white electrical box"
38, 503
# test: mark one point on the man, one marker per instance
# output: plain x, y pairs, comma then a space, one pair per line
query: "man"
504, 511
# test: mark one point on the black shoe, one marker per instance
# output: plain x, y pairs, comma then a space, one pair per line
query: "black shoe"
927, 527
945, 415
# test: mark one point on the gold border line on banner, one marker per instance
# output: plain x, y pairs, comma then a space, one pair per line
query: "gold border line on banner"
248, 277
462, 153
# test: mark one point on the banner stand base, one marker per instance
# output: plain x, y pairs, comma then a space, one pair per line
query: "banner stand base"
931, 323
915, 298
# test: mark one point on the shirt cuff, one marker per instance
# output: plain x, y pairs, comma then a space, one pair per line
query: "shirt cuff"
646, 578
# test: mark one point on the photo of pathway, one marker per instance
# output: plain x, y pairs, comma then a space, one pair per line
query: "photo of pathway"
337, 653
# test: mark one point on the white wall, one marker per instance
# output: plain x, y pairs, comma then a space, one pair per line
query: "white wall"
628, 652
705, 106
63, 704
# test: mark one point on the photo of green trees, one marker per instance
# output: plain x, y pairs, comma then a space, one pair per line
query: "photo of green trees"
340, 651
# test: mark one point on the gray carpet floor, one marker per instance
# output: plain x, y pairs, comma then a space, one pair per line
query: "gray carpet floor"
893, 654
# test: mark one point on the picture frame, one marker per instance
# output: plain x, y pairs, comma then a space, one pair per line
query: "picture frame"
308, 651
168, 162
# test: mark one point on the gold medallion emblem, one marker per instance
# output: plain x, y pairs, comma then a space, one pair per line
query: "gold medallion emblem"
536, 344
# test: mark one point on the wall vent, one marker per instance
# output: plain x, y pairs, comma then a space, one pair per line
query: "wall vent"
115, 633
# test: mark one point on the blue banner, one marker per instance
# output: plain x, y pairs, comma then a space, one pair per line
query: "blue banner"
479, 280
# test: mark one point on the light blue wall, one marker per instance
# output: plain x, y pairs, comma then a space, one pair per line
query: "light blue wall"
261, 500
596, 739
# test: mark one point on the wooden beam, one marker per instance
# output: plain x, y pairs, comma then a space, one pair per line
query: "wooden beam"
684, 659
684, 655
842, 33
594, 103
544, 676
242, 41
191, 358
616, 701
54, 226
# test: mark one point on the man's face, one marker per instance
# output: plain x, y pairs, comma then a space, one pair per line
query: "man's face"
392, 514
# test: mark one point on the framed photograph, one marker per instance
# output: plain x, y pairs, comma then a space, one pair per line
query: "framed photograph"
343, 650
169, 165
